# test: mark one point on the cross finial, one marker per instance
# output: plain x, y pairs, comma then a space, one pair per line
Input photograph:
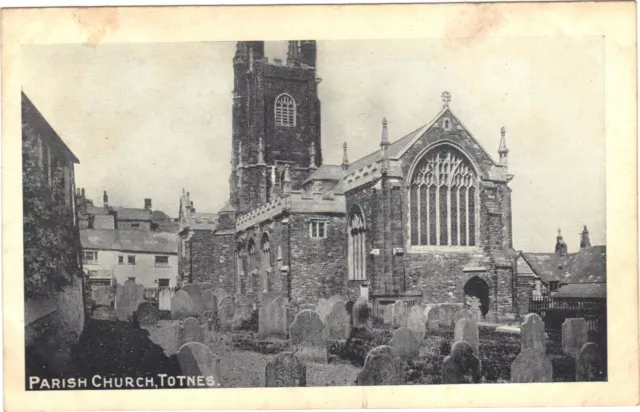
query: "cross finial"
446, 98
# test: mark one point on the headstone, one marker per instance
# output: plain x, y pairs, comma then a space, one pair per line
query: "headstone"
226, 309
467, 330
192, 331
382, 366
337, 322
322, 308
210, 300
220, 294
532, 334
127, 299
242, 311
104, 313
387, 315
308, 337
574, 335
361, 314
196, 359
272, 319
399, 315
206, 317
285, 370
309, 306
205, 286
461, 366
164, 299
182, 305
104, 295
335, 299
417, 322
196, 294
147, 314
405, 343
531, 365
461, 314
432, 313
589, 365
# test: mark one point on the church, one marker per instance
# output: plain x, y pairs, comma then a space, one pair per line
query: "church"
425, 219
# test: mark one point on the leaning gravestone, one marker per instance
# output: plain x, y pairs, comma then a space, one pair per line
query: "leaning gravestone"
272, 320
104, 313
104, 295
531, 365
532, 334
127, 299
196, 359
382, 366
467, 330
243, 309
399, 315
182, 305
323, 308
285, 370
196, 294
574, 335
461, 366
433, 318
387, 315
417, 322
192, 331
308, 337
147, 314
405, 343
210, 300
226, 309
361, 313
337, 323
589, 365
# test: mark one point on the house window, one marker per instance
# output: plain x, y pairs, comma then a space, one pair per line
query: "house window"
121, 260
443, 199
318, 229
163, 283
285, 110
135, 226
357, 246
162, 261
89, 258
131, 259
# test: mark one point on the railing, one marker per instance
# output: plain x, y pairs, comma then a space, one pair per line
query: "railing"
554, 311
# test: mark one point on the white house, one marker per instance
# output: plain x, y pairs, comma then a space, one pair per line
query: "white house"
149, 257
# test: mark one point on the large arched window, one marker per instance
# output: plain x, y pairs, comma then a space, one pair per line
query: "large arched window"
357, 245
285, 110
443, 199
251, 255
265, 261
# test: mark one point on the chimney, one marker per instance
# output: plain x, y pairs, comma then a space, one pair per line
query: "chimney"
147, 204
585, 242
105, 201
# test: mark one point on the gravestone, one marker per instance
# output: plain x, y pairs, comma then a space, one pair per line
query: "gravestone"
382, 366
210, 300
335, 299
285, 370
461, 366
433, 318
206, 317
196, 295
205, 286
387, 315
467, 330
323, 309
147, 314
272, 319
399, 315
127, 299
574, 335
192, 331
589, 365
308, 337
104, 313
226, 309
309, 306
405, 343
361, 314
196, 359
417, 322
532, 334
164, 299
531, 365
461, 314
337, 323
220, 294
242, 311
104, 295
182, 305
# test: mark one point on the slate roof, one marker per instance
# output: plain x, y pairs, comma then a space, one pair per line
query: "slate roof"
96, 210
129, 240
326, 172
582, 290
586, 266
126, 213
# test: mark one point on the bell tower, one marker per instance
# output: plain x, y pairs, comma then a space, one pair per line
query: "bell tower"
276, 122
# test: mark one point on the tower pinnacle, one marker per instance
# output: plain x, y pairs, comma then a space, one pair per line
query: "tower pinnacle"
345, 159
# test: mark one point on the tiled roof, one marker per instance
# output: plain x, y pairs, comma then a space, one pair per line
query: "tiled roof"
133, 214
586, 266
96, 210
129, 240
546, 265
582, 290
326, 172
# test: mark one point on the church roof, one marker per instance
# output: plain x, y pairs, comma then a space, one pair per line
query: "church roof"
326, 172
588, 265
582, 290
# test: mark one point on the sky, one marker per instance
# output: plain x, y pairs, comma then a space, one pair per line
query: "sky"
149, 119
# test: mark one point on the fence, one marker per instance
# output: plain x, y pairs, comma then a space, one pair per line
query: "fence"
554, 311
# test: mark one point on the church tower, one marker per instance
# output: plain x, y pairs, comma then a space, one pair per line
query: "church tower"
276, 122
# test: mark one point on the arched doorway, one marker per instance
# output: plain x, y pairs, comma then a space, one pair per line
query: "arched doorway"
476, 296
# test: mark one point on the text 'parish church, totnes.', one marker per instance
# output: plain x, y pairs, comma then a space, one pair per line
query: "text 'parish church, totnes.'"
425, 219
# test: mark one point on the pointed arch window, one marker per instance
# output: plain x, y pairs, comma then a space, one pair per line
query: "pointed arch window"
265, 261
443, 199
285, 110
357, 245
251, 255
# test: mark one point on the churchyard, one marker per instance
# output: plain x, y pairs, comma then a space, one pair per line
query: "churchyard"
208, 332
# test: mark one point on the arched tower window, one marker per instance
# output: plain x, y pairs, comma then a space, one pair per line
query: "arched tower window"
251, 255
285, 110
265, 261
356, 245
443, 199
